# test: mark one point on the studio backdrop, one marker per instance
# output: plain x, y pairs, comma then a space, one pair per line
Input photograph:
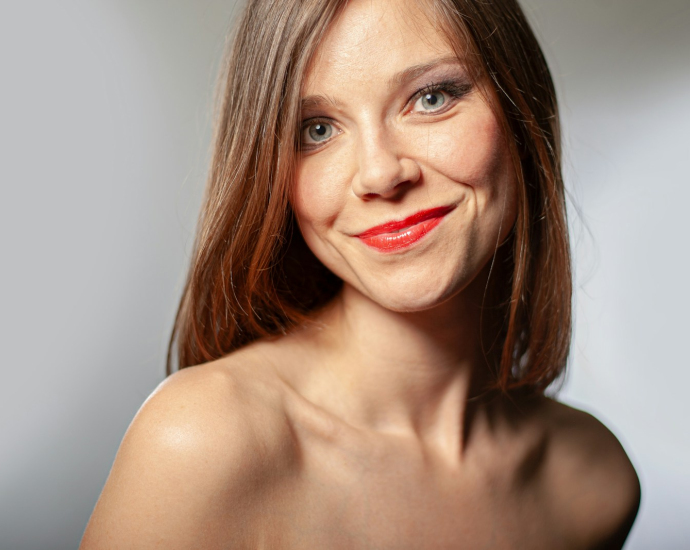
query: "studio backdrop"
105, 111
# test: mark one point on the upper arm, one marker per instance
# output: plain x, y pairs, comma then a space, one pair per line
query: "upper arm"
596, 484
185, 471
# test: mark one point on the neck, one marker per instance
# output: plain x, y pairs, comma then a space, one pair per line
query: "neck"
404, 372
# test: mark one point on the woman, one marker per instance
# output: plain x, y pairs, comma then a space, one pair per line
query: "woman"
379, 297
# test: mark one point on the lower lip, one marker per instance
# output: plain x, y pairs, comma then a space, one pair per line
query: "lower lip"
389, 242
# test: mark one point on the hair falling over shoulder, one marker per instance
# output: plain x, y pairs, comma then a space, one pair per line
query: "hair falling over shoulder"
251, 273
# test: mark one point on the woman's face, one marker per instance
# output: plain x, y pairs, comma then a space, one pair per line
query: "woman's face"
404, 185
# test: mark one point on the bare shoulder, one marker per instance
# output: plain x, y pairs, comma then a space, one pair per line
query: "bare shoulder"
194, 462
593, 486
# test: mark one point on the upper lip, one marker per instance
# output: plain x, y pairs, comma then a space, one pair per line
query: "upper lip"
414, 219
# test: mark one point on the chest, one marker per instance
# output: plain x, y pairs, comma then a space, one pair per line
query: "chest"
390, 504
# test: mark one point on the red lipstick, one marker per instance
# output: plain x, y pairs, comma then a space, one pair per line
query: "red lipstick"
392, 236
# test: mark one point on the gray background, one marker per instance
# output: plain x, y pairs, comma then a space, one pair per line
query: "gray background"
104, 126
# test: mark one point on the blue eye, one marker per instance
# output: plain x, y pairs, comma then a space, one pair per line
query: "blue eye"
431, 101
317, 132
439, 97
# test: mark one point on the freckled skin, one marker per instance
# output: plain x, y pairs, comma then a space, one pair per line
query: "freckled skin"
387, 162
366, 428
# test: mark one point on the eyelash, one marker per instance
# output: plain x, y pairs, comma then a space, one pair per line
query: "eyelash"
311, 122
454, 88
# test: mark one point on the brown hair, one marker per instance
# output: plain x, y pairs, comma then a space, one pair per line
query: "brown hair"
252, 275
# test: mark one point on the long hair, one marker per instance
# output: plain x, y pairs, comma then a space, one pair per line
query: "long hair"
251, 273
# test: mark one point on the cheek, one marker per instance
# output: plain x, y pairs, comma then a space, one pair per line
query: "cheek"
475, 154
317, 196
472, 152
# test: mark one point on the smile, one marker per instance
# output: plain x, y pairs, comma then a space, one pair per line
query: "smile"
396, 235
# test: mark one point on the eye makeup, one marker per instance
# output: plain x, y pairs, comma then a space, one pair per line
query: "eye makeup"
454, 88
441, 92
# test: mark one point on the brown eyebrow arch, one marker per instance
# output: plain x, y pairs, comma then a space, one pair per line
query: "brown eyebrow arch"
406, 75
418, 70
316, 101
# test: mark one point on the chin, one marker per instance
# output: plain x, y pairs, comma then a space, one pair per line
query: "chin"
412, 292
420, 281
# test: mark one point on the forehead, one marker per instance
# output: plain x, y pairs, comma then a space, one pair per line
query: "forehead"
373, 39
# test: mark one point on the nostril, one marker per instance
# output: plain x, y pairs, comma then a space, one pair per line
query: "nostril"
383, 172
392, 193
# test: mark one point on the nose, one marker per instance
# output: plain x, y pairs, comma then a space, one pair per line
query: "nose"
383, 170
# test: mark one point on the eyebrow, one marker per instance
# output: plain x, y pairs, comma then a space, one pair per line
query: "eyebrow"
316, 101
398, 79
416, 71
